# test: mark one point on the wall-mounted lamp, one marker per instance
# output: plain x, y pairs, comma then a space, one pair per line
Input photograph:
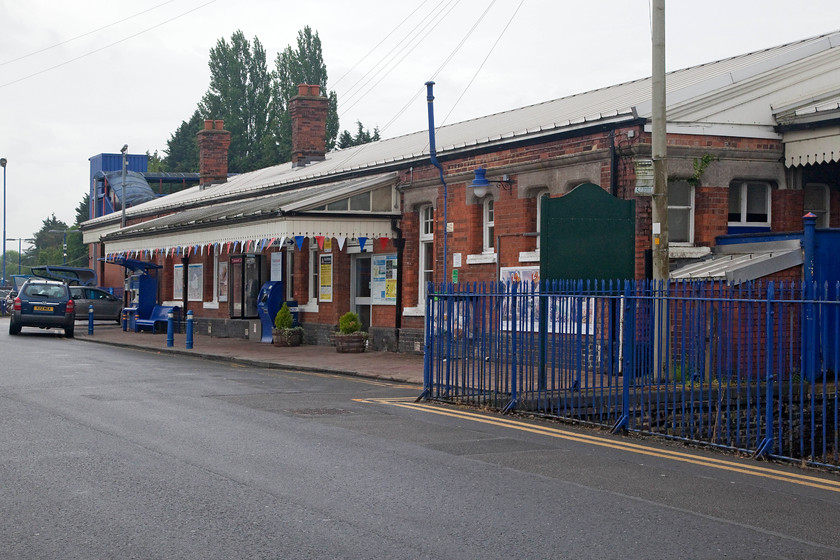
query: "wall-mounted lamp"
481, 183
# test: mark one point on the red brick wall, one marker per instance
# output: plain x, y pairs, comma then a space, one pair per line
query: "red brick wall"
711, 214
213, 144
308, 111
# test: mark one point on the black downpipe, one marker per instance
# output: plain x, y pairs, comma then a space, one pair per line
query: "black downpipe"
399, 243
613, 166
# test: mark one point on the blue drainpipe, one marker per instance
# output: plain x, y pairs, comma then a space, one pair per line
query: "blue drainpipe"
430, 98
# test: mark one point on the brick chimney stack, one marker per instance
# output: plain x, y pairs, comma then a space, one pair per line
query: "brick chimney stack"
308, 110
213, 144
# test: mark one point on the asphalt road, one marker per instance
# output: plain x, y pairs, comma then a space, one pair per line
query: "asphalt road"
115, 453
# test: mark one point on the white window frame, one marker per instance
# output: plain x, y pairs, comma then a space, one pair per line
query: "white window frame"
214, 303
488, 223
313, 272
821, 213
744, 186
427, 237
690, 208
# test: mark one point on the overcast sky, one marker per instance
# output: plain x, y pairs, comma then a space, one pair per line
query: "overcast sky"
85, 77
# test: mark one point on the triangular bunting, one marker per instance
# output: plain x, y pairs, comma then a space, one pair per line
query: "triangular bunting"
320, 240
362, 241
341, 239
299, 241
383, 242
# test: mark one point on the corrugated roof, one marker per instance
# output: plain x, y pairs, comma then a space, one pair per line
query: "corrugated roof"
261, 207
611, 104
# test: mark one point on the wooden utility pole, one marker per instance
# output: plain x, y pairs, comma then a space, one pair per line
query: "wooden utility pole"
659, 202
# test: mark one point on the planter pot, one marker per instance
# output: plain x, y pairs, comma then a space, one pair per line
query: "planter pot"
350, 343
287, 337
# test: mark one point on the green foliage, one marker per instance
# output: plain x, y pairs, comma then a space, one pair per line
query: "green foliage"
155, 162
284, 319
349, 323
240, 93
700, 166
363, 136
83, 210
304, 65
254, 103
49, 244
182, 146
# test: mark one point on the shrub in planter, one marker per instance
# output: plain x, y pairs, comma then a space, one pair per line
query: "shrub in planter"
284, 334
350, 337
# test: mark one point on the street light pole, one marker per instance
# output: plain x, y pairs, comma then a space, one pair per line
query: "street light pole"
20, 241
122, 201
3, 162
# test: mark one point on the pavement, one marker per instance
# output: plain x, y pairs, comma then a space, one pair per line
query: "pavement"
390, 366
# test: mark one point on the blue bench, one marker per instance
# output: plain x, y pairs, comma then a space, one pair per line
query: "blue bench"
158, 318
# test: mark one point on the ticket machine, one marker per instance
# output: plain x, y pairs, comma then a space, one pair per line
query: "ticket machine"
269, 302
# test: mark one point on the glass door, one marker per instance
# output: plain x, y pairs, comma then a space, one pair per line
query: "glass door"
360, 289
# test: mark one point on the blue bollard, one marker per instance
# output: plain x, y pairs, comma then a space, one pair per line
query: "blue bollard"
90, 319
189, 329
170, 329
124, 320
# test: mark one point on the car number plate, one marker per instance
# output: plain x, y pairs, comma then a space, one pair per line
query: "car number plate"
43, 308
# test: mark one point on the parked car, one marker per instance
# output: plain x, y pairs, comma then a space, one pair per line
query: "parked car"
45, 304
105, 306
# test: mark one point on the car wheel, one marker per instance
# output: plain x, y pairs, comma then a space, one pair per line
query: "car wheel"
68, 331
14, 328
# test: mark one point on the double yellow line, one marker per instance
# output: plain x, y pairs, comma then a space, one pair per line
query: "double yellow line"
604, 441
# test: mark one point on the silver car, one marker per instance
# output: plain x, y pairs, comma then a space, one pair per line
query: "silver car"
106, 307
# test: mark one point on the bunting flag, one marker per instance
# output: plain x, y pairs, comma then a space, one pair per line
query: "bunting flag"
341, 239
362, 241
299, 241
320, 240
271, 241
246, 245
282, 241
227, 247
383, 242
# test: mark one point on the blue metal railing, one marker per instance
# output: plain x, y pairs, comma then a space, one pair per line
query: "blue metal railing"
753, 367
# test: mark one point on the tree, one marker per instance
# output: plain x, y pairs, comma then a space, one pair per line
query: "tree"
363, 136
155, 162
83, 209
182, 146
305, 65
49, 244
240, 93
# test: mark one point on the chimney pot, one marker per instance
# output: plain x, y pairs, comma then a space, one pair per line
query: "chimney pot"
220, 124
315, 90
208, 124
303, 89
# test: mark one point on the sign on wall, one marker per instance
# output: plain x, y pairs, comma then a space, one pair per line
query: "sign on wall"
276, 266
325, 271
195, 282
383, 279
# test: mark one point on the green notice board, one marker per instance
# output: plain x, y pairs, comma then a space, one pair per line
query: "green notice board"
587, 234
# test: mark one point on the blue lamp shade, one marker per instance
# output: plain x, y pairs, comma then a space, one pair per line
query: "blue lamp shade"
480, 183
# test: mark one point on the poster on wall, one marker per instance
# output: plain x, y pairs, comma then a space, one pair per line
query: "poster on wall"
195, 282
383, 279
567, 314
276, 267
325, 266
177, 282
222, 287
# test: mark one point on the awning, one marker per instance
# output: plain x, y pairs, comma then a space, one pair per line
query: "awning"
809, 147
254, 222
336, 227
742, 263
